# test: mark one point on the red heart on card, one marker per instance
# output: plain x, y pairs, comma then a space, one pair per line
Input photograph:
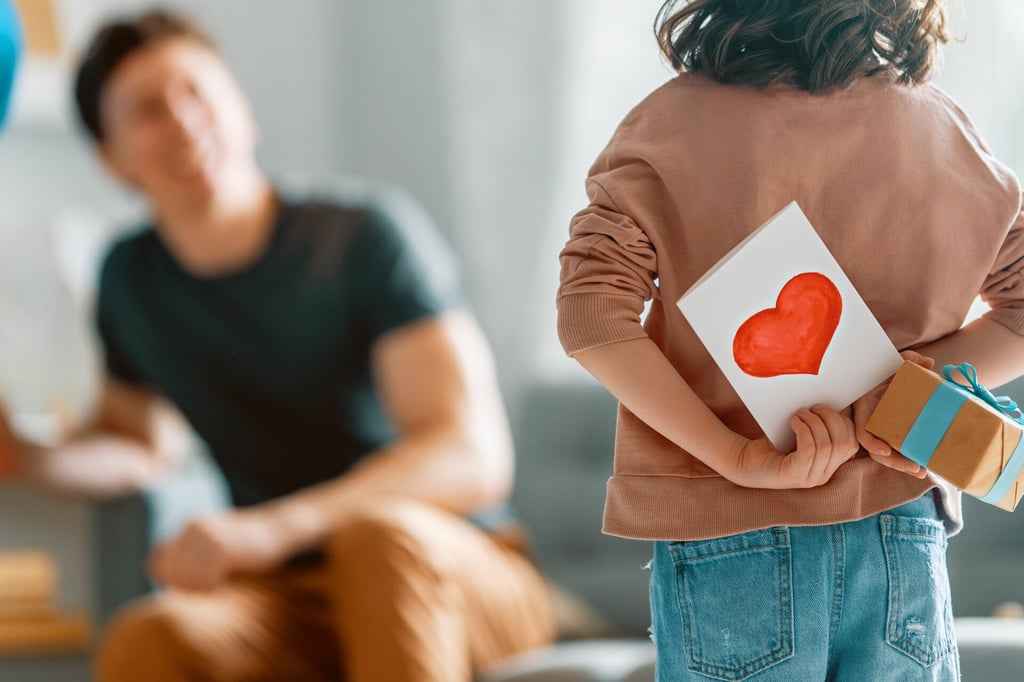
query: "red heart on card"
792, 337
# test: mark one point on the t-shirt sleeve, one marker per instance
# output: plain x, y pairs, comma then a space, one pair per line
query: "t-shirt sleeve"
404, 271
113, 276
1003, 289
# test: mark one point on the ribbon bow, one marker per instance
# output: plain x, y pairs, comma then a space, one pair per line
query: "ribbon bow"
1001, 403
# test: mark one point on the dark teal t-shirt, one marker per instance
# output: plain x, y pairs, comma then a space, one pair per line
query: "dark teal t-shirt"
271, 365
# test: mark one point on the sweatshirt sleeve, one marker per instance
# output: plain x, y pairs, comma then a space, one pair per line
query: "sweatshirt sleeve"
1003, 289
608, 271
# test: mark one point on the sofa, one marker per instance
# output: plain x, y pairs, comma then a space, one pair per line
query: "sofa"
564, 438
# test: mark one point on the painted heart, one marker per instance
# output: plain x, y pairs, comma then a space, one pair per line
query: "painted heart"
792, 337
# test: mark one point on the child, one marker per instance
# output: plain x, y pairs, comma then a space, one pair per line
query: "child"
827, 562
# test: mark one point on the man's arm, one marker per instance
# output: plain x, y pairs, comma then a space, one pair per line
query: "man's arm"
133, 438
436, 377
437, 380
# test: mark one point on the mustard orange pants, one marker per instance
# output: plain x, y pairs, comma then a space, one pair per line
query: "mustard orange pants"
406, 593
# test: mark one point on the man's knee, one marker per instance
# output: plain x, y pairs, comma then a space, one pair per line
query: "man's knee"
140, 640
394, 538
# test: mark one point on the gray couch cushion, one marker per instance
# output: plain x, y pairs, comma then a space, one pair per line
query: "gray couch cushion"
564, 444
986, 559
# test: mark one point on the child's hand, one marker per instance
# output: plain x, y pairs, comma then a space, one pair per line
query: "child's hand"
879, 450
824, 441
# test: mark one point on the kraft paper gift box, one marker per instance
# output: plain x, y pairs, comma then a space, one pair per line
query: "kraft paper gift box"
955, 428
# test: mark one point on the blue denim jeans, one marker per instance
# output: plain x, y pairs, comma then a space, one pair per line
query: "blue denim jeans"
864, 600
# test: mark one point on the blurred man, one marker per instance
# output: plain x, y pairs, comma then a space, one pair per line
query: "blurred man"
321, 352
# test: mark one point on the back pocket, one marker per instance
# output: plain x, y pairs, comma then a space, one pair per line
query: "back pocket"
919, 622
736, 598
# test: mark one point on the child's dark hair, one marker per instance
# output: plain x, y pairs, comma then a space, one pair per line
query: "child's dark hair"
816, 45
115, 42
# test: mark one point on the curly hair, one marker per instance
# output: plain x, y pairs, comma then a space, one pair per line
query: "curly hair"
816, 45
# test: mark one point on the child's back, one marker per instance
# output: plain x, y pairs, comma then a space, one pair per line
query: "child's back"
900, 188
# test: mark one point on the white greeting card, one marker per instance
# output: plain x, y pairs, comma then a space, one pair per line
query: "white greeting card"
786, 326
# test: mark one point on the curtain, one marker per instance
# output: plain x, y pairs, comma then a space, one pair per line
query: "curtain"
535, 89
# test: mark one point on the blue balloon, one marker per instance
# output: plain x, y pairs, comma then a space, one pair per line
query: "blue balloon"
10, 50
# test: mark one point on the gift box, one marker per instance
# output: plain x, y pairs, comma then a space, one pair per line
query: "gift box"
955, 428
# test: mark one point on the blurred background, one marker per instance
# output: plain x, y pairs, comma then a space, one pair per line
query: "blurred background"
488, 113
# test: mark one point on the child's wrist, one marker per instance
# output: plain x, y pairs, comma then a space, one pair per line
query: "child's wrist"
726, 452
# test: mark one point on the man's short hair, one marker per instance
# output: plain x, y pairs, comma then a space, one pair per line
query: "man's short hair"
113, 43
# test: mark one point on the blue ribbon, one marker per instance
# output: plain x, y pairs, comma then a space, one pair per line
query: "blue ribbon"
938, 414
932, 423
1001, 403
1007, 477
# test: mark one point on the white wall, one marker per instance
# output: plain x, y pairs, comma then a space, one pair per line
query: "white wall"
983, 69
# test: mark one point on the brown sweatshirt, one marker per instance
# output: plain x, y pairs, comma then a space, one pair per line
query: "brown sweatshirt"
898, 184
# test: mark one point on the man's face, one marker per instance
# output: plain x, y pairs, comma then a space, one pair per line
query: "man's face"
176, 125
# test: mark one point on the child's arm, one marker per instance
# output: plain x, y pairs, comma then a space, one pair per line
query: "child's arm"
994, 344
609, 268
641, 377
995, 351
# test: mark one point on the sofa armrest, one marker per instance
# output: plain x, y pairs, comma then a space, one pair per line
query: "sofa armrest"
126, 528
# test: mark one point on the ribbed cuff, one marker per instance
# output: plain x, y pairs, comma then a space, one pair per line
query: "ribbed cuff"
1011, 318
588, 320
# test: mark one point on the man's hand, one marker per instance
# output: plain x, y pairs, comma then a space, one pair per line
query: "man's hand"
879, 450
210, 550
824, 441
